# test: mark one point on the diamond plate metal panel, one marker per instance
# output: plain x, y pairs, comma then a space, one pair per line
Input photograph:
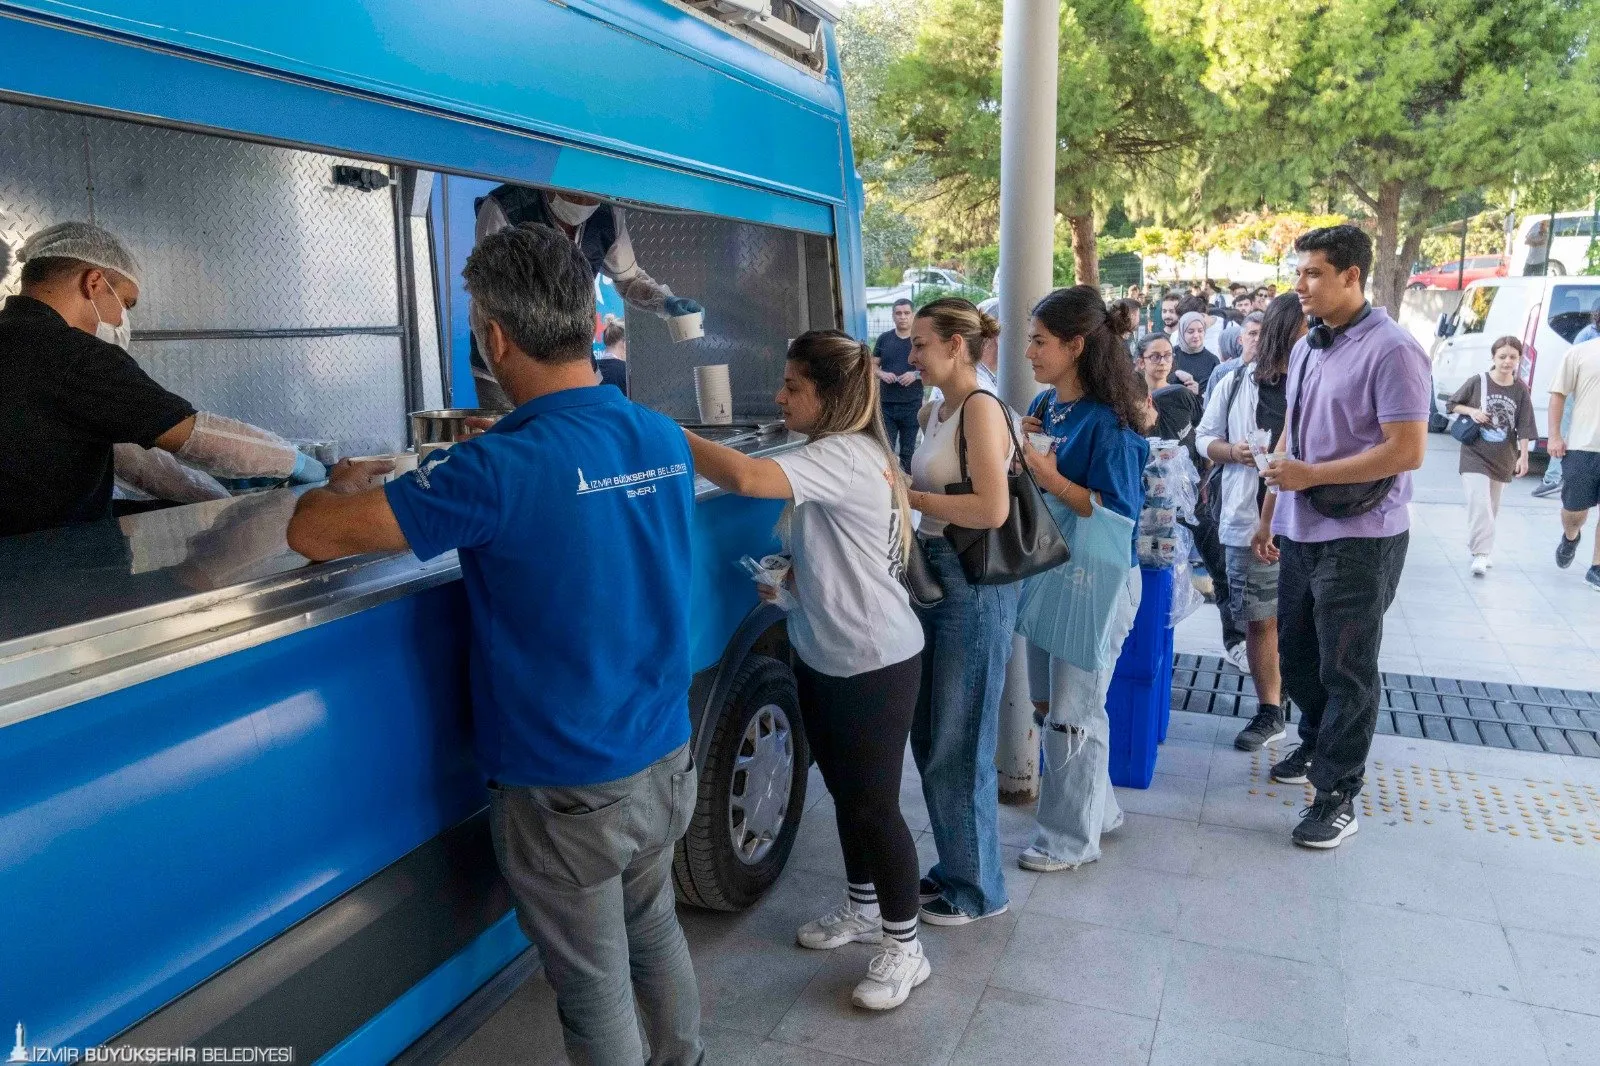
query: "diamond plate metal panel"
748, 279
44, 177
427, 316
243, 236
348, 389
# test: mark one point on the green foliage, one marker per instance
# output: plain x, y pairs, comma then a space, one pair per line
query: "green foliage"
926, 294
1486, 235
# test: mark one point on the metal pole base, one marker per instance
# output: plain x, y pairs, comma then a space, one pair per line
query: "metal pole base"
1017, 755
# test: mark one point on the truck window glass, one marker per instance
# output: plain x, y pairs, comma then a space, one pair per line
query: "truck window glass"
1572, 307
1475, 309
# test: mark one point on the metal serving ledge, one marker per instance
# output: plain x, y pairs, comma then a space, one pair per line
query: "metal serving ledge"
89, 609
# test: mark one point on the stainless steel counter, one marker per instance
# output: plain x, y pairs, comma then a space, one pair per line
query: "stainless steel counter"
90, 609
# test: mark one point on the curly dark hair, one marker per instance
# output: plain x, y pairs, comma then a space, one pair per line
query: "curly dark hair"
1104, 369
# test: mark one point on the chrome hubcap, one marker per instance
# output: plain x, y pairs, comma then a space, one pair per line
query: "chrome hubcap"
758, 796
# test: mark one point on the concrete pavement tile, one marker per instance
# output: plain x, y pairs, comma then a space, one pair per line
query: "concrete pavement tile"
1403, 1023
1569, 1039
1182, 1046
1255, 997
748, 984
1013, 1027
1166, 844
1551, 902
526, 1029
1261, 915
1168, 796
1258, 858
922, 1030
1092, 965
728, 1047
1196, 728
1124, 897
1429, 948
1560, 970
1486, 665
1184, 758
1431, 884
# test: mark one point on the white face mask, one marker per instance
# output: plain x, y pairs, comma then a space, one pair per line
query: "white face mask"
570, 213
122, 335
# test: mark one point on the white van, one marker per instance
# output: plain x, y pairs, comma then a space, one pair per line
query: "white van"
1545, 313
1569, 254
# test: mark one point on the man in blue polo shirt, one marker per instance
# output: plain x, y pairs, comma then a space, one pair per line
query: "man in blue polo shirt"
572, 518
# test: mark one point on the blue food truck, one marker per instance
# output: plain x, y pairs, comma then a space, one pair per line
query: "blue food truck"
238, 807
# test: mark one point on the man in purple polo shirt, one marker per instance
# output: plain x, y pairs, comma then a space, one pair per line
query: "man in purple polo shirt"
1358, 398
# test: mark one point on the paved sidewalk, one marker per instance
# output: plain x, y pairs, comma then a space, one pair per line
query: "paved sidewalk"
1526, 622
1461, 925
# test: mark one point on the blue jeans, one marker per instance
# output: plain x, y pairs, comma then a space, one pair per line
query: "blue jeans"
1552, 473
901, 425
1076, 803
957, 725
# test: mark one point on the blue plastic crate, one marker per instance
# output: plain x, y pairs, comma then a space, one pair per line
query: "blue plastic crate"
1137, 709
1148, 648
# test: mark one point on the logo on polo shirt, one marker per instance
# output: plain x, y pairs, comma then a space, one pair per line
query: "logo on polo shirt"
638, 483
420, 474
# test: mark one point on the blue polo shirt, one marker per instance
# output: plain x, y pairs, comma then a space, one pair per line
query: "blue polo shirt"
1096, 451
572, 518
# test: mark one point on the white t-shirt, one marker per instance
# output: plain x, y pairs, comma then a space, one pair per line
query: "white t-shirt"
844, 536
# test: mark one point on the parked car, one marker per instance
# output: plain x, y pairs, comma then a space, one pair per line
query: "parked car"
1546, 313
1450, 275
930, 275
1570, 252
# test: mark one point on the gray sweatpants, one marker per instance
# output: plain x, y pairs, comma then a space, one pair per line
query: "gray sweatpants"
591, 870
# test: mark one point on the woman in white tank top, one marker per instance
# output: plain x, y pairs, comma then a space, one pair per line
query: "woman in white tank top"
968, 634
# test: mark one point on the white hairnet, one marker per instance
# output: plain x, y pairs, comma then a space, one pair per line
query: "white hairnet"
82, 241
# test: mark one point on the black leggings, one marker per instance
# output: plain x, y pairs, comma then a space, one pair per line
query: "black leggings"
857, 727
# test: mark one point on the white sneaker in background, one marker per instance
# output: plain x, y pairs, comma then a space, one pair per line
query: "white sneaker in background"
891, 975
1480, 565
844, 926
1239, 657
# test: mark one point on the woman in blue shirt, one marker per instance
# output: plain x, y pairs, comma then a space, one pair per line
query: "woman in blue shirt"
1094, 409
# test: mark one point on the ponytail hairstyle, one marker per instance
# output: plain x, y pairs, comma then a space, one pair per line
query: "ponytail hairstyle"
1104, 369
954, 316
847, 387
1281, 326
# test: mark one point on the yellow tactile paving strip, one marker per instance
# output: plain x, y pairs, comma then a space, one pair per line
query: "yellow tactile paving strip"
1545, 809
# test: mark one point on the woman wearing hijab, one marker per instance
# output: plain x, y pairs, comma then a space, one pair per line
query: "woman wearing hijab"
1190, 355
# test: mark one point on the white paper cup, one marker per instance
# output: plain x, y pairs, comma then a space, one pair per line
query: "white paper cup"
1265, 459
687, 327
425, 450
713, 394
1040, 442
403, 463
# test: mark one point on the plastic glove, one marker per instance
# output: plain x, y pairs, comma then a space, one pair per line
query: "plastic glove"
307, 470
677, 306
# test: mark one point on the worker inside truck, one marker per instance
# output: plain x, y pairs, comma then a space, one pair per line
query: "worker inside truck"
600, 231
74, 397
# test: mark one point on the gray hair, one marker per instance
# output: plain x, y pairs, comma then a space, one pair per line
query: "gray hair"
1255, 316
534, 282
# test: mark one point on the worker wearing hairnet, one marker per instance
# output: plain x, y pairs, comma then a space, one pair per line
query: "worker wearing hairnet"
599, 230
73, 393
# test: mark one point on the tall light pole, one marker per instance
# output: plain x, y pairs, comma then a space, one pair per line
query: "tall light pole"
1029, 47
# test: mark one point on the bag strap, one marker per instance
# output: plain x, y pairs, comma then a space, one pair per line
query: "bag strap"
1299, 401
1233, 395
1011, 430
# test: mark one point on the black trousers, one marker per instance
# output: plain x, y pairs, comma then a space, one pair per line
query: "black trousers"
857, 727
1210, 547
1331, 600
900, 422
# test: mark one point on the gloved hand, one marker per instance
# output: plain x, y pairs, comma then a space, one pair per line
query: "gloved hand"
677, 306
307, 470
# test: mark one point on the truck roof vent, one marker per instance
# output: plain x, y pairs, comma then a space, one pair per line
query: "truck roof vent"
792, 28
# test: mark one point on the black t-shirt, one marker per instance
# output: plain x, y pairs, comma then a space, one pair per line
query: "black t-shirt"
893, 353
1197, 365
66, 398
1178, 414
613, 372
1272, 403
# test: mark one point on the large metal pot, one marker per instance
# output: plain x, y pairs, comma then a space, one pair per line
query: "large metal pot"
445, 427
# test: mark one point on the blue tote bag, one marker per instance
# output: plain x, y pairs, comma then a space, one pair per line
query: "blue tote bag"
1067, 611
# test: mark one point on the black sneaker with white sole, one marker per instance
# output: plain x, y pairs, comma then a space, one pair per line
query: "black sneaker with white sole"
1263, 729
942, 912
1567, 549
1330, 818
1593, 577
1292, 768
928, 890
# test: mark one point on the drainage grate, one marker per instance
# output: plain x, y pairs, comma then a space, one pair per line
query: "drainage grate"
1485, 713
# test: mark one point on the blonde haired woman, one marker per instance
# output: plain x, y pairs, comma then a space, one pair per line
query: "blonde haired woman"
858, 643
969, 632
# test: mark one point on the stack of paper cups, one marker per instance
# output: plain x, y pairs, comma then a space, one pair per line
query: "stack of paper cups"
714, 395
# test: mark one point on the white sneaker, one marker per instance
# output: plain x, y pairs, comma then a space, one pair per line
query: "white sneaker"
1239, 657
844, 926
1039, 862
891, 975
1480, 565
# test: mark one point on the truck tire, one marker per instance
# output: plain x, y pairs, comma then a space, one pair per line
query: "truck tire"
752, 792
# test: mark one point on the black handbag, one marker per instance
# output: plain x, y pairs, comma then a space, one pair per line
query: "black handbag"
1336, 501
1464, 429
1028, 543
921, 583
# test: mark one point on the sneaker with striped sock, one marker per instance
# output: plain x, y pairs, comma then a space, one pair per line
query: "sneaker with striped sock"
847, 925
892, 974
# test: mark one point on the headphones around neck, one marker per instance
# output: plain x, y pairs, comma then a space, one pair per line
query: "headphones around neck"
1321, 335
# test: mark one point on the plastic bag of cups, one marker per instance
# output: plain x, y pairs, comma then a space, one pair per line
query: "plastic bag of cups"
1171, 491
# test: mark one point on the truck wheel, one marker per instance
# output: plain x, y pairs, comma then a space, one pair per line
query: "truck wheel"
752, 792
1556, 267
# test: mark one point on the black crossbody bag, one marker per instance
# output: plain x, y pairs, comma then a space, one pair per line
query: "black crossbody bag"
1028, 543
1335, 501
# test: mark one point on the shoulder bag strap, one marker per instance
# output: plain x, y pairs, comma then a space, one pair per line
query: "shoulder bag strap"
1299, 400
1011, 430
